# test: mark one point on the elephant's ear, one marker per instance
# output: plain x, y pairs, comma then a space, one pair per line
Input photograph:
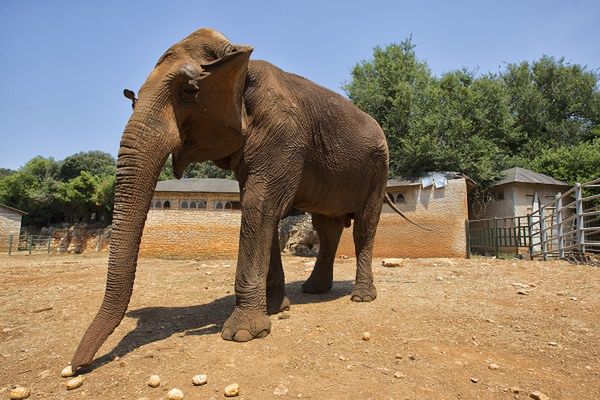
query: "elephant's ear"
220, 87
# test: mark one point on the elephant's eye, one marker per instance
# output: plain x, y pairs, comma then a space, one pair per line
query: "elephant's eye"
188, 93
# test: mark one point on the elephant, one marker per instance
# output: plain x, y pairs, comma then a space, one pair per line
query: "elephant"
291, 144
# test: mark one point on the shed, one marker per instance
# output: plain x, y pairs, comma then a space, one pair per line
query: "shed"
10, 224
197, 194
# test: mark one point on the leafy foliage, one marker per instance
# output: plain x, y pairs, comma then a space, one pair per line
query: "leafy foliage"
205, 169
543, 115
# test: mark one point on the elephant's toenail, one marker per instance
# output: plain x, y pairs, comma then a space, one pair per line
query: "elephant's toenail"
242, 336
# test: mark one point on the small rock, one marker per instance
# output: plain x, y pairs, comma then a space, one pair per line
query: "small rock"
515, 390
175, 394
342, 358
439, 278
200, 379
344, 257
399, 375
398, 356
552, 344
573, 298
280, 390
67, 372
154, 381
493, 366
19, 393
537, 395
74, 383
283, 315
474, 380
366, 336
392, 262
523, 292
413, 357
232, 390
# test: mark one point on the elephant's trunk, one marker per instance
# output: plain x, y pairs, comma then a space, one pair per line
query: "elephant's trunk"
145, 145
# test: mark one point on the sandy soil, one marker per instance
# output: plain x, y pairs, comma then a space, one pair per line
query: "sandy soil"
436, 327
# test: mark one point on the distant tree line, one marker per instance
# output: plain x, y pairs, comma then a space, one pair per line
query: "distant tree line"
543, 115
79, 188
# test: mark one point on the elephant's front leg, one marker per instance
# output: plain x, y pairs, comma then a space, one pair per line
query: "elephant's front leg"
249, 319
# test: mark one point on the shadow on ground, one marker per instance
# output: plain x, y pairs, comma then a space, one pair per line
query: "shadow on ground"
158, 323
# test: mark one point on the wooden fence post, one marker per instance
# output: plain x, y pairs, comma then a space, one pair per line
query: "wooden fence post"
530, 236
543, 233
559, 231
496, 238
10, 240
579, 218
29, 243
49, 243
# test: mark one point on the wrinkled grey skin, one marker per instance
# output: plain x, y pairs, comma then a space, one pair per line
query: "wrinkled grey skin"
290, 142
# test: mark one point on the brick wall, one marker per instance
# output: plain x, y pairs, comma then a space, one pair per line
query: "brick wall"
444, 210
191, 233
10, 224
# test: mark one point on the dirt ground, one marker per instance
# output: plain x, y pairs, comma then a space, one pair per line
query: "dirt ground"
435, 329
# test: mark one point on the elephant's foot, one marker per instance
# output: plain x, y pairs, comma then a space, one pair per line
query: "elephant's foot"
244, 325
363, 293
318, 285
277, 302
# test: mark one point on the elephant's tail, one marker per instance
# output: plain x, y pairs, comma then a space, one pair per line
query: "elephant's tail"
388, 200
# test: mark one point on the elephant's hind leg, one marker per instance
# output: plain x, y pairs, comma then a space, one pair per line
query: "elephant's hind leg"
277, 301
329, 230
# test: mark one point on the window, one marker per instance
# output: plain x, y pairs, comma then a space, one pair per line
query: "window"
218, 205
228, 205
201, 204
184, 204
193, 204
158, 204
400, 198
167, 204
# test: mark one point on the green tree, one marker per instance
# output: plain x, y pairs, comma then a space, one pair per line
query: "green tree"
95, 162
205, 169
5, 172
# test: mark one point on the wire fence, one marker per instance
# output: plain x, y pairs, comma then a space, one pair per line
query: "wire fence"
54, 242
566, 227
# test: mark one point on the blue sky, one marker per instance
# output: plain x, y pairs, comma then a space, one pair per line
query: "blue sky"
64, 64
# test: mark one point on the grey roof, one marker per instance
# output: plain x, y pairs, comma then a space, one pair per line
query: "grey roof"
524, 175
210, 185
13, 209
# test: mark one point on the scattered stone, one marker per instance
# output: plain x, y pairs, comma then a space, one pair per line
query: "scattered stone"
67, 372
232, 390
537, 395
515, 390
399, 375
573, 298
74, 383
439, 278
366, 336
398, 356
344, 257
392, 262
493, 366
280, 390
523, 292
552, 344
474, 380
200, 379
342, 358
175, 394
153, 381
413, 357
19, 393
283, 315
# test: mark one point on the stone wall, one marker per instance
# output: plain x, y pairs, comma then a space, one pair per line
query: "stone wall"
190, 233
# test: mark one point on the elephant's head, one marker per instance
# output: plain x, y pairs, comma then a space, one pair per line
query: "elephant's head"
191, 107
